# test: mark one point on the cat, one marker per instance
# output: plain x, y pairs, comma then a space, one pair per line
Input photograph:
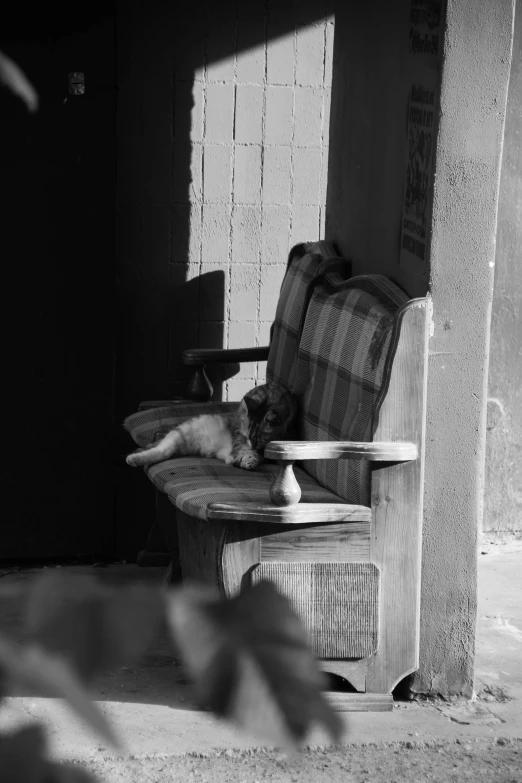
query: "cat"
239, 438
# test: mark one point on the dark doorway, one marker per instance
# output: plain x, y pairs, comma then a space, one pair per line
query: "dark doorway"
58, 253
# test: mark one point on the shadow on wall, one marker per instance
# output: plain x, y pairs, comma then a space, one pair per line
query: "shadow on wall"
197, 255
176, 206
92, 329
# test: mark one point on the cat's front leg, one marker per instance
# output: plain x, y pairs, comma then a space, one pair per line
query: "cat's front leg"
157, 452
142, 457
131, 459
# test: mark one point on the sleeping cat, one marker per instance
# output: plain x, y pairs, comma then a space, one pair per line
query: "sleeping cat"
264, 414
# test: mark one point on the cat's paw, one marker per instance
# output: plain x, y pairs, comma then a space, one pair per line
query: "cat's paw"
134, 459
249, 461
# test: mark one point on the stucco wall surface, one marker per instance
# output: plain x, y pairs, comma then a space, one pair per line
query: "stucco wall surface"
503, 483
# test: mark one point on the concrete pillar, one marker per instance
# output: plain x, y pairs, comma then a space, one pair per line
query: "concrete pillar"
382, 53
475, 75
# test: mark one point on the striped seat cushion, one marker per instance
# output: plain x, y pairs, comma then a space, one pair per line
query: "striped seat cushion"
304, 263
341, 362
192, 483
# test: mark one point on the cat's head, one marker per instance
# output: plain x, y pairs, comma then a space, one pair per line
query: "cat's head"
268, 413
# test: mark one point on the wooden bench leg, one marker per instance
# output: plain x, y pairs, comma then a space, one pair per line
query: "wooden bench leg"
200, 550
166, 522
155, 551
396, 549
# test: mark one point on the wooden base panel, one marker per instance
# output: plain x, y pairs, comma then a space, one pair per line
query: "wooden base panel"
352, 671
360, 702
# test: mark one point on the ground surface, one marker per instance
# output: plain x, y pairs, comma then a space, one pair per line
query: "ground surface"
483, 762
168, 738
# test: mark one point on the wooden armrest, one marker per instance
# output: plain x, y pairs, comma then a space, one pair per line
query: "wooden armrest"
198, 356
296, 450
285, 491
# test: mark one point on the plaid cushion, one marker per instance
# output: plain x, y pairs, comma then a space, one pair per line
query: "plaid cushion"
147, 426
341, 361
193, 483
303, 264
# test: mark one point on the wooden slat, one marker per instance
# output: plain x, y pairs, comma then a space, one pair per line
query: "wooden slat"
246, 544
360, 702
397, 502
376, 450
324, 544
289, 515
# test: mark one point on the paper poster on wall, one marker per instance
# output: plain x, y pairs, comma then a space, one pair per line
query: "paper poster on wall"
425, 39
424, 49
419, 169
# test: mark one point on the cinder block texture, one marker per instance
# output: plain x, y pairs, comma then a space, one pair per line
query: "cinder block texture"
223, 129
247, 173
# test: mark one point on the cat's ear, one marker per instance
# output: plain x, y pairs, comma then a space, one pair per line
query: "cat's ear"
242, 409
254, 398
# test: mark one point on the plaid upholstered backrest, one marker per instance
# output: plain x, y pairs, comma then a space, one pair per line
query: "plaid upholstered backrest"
341, 361
304, 263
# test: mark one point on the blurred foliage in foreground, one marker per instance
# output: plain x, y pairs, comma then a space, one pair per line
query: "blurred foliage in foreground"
248, 658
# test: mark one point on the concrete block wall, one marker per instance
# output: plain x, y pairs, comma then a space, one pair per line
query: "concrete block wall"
258, 163
222, 160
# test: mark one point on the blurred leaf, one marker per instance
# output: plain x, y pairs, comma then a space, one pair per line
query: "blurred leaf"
22, 760
250, 660
22, 756
92, 625
67, 773
52, 677
15, 79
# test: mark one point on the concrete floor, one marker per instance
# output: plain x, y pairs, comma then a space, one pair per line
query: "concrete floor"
152, 708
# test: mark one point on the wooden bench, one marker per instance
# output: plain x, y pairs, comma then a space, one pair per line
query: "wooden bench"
306, 261
340, 533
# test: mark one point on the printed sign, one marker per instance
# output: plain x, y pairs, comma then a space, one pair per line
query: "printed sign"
419, 168
424, 47
425, 29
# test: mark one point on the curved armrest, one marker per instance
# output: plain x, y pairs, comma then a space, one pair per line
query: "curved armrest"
198, 356
285, 490
296, 450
